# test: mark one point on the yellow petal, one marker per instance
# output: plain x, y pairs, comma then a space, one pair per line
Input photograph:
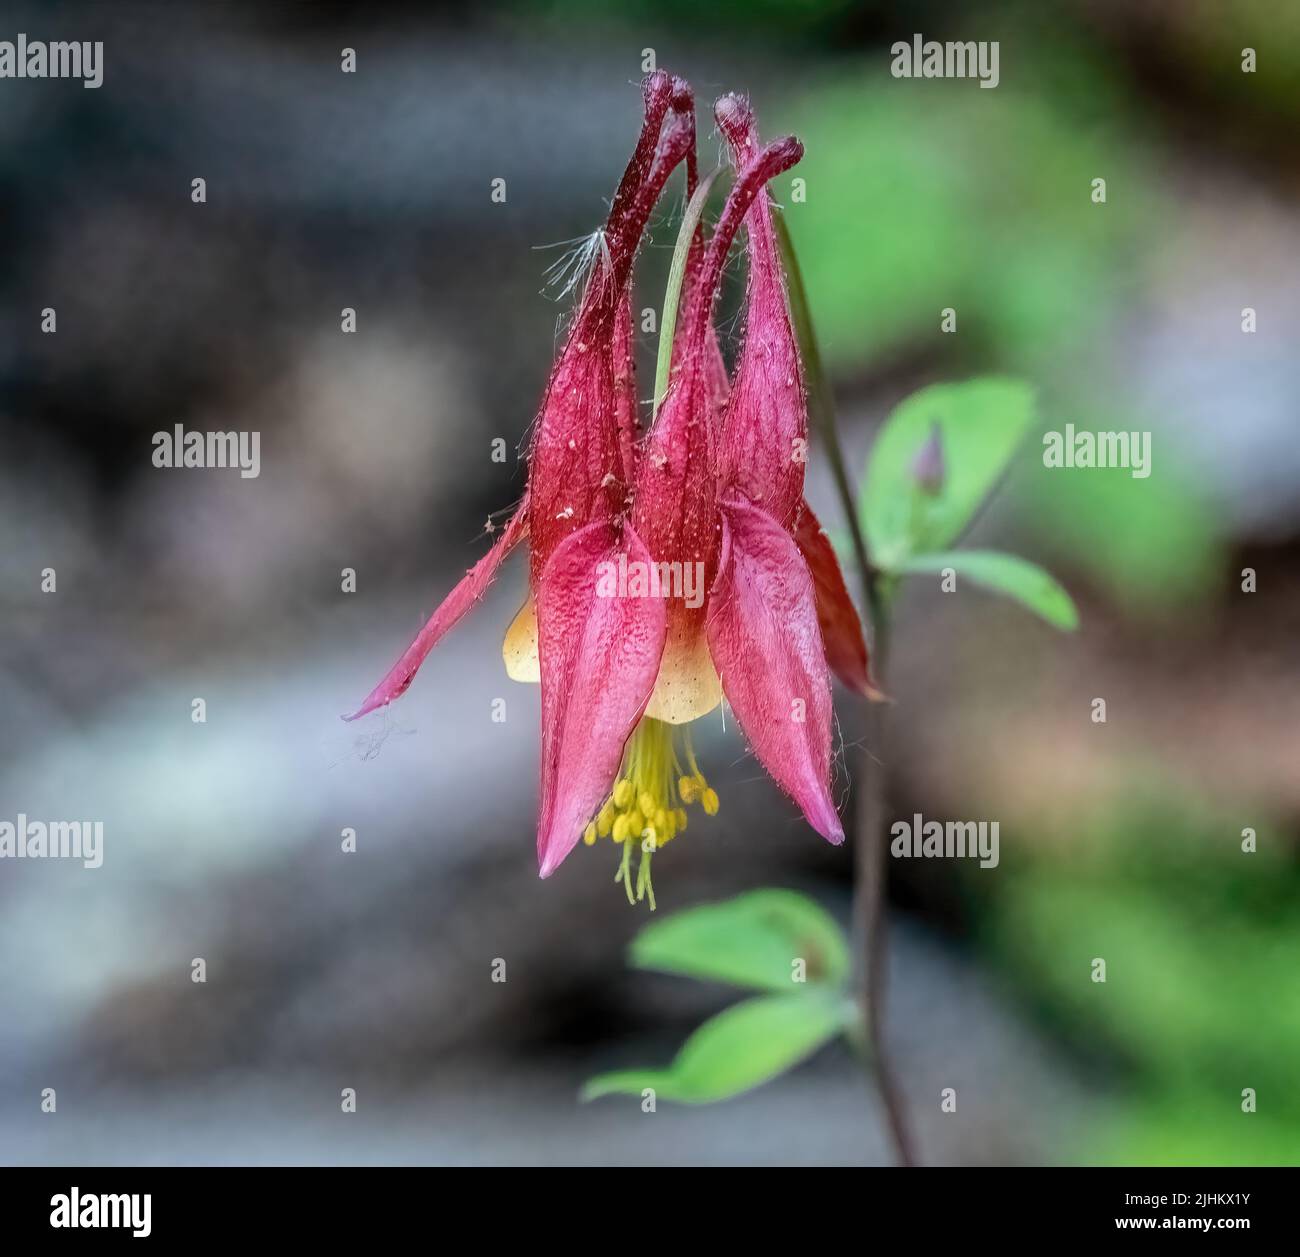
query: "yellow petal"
688, 686
519, 650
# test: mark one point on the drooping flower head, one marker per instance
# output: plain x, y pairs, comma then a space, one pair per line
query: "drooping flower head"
638, 653
720, 487
703, 499
713, 491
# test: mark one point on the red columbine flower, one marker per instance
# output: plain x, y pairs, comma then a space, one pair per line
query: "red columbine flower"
715, 492
703, 500
720, 486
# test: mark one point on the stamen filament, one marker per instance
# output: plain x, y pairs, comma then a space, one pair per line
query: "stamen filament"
645, 807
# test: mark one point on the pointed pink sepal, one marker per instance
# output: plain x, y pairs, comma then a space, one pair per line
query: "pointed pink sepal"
767, 647
765, 428
599, 659
466, 594
846, 648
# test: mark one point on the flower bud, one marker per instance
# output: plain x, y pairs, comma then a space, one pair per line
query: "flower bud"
928, 467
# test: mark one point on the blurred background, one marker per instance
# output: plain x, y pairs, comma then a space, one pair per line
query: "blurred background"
372, 970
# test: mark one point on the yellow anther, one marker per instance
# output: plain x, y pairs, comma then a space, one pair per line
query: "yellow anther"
647, 807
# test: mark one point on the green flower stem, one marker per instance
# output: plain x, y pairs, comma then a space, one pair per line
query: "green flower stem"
870, 867
673, 292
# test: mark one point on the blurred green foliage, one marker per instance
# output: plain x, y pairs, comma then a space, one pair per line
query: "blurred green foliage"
1200, 1001
927, 196
1206, 38
1152, 544
924, 195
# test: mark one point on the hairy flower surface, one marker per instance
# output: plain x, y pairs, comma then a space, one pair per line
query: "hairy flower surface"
715, 487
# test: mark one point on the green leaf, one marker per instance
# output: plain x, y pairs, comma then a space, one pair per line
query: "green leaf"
742, 1047
751, 940
981, 424
969, 210
1007, 574
673, 292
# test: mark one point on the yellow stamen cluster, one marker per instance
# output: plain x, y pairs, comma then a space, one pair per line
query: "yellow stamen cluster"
646, 807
